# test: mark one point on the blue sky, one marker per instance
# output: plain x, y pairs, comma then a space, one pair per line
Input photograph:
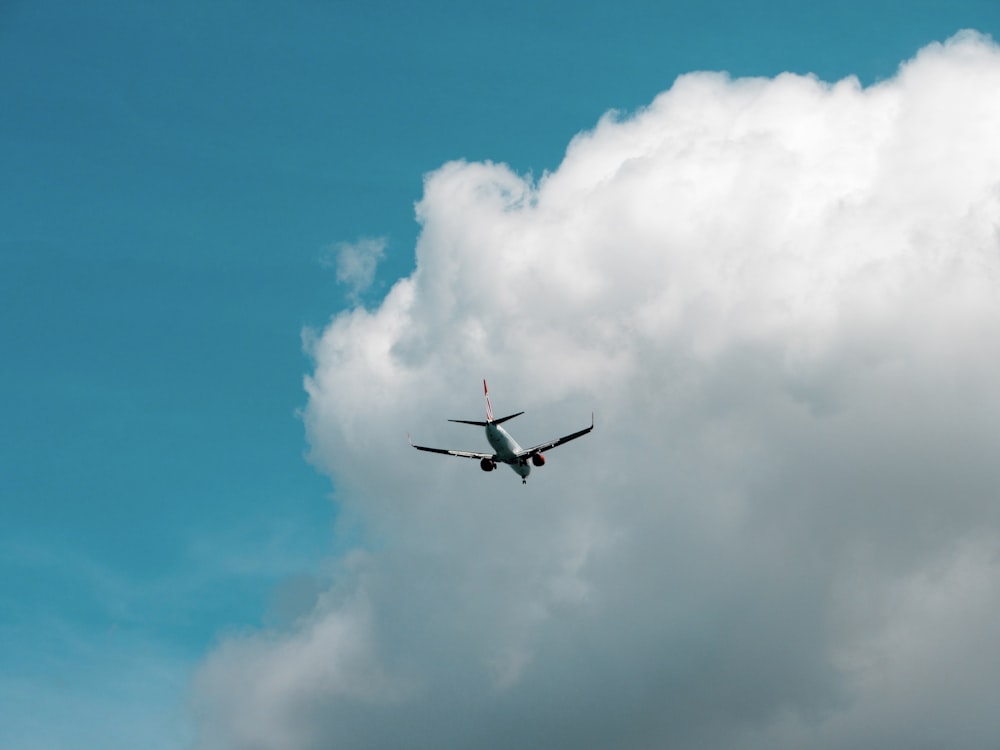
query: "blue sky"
172, 178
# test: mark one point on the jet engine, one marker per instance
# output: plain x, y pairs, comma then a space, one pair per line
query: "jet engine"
487, 464
538, 459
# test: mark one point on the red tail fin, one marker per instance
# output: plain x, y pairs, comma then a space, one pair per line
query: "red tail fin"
489, 406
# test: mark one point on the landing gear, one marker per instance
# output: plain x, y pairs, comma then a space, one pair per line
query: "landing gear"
524, 481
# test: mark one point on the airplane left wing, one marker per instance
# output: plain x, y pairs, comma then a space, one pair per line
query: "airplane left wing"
541, 447
460, 454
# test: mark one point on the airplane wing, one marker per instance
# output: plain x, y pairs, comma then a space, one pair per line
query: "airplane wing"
460, 454
541, 447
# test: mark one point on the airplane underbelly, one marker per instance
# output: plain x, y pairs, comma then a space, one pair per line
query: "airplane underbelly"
505, 446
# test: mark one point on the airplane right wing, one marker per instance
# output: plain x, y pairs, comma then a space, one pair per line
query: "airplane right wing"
558, 441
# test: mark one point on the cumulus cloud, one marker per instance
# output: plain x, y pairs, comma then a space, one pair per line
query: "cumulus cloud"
781, 298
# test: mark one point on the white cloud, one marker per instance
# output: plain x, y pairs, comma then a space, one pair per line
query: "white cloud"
781, 298
356, 263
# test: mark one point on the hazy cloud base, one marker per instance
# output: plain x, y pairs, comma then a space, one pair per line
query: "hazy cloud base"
781, 297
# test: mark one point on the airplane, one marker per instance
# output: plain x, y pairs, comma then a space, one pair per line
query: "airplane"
506, 449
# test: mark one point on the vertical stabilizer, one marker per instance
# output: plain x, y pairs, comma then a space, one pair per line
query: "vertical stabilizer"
490, 419
489, 407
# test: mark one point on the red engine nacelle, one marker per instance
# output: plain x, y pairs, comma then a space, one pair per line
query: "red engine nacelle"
538, 459
487, 464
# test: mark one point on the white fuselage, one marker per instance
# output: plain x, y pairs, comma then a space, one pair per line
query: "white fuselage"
507, 449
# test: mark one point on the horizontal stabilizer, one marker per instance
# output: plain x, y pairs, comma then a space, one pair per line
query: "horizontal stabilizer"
504, 419
483, 424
